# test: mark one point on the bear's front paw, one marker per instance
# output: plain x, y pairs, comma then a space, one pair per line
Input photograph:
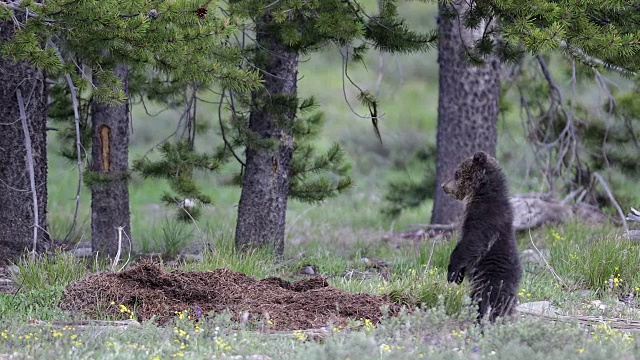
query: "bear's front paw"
455, 275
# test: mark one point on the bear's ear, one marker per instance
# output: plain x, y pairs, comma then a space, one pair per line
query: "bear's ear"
480, 158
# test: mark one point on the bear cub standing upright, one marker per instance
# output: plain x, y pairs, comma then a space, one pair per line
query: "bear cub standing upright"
487, 253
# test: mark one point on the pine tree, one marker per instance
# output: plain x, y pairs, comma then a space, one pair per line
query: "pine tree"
179, 38
284, 30
110, 217
23, 95
467, 102
596, 34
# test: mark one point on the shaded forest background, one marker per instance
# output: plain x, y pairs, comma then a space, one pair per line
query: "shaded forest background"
407, 86
394, 176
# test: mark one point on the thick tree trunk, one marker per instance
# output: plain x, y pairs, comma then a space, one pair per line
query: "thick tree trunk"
467, 107
110, 161
17, 215
265, 186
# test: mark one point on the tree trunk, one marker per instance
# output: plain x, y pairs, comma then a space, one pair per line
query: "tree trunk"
265, 186
110, 165
17, 215
467, 107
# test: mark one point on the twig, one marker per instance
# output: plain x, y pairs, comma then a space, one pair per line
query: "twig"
551, 269
76, 116
146, 110
433, 247
611, 102
119, 252
571, 195
195, 223
574, 155
613, 200
272, 4
224, 136
435, 226
117, 257
615, 323
185, 116
582, 195
88, 324
129, 254
95, 261
30, 166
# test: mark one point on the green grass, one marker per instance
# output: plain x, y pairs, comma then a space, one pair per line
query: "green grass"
598, 259
41, 282
258, 263
438, 324
423, 335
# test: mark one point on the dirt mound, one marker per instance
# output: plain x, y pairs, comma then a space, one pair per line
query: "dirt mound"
151, 291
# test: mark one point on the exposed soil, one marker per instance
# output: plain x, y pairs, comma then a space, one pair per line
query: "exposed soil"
152, 291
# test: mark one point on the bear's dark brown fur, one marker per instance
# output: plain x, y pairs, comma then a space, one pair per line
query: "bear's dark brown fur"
487, 252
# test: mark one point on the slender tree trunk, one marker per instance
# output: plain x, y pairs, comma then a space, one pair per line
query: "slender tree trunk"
265, 186
17, 215
110, 162
467, 107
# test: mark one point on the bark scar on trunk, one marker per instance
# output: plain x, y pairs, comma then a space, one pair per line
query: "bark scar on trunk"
104, 133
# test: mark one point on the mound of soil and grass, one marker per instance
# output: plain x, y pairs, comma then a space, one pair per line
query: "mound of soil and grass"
149, 291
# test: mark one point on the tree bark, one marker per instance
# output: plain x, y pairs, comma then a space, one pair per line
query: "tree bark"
265, 186
17, 216
467, 106
110, 161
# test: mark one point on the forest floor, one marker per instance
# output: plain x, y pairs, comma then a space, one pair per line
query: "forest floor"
384, 300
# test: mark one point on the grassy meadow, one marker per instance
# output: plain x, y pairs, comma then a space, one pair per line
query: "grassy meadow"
588, 270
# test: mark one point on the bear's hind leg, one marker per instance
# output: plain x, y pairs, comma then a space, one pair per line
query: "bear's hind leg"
502, 301
493, 299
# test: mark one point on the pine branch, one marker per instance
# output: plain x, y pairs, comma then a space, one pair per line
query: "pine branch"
592, 61
345, 75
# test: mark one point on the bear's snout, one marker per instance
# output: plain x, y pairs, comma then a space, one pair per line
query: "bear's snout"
446, 187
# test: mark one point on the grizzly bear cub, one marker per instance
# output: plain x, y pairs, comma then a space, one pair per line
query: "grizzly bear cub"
486, 253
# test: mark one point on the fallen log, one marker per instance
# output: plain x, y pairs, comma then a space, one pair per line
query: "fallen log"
531, 211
